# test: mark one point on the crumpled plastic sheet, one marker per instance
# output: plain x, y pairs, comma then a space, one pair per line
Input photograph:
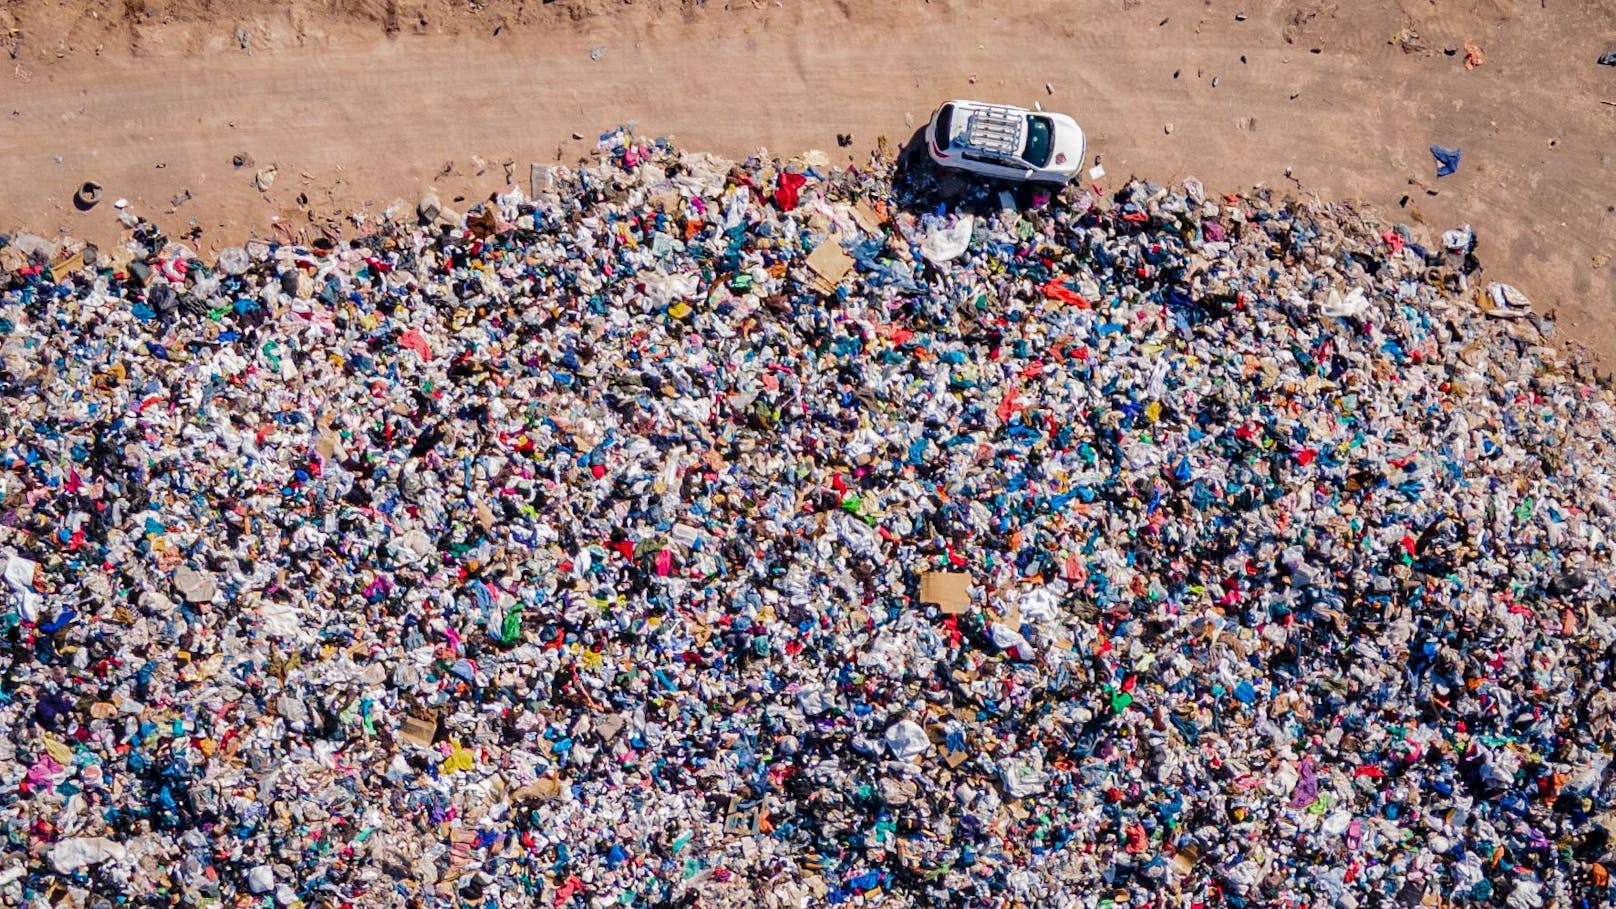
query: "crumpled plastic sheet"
944, 243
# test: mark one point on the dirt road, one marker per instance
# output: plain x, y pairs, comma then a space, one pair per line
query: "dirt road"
360, 104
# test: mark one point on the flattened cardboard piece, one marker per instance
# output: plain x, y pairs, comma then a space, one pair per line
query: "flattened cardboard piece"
866, 218
417, 731
830, 263
326, 445
71, 265
543, 789
700, 632
1186, 858
950, 590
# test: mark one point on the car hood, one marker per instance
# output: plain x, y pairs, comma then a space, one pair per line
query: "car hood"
1069, 145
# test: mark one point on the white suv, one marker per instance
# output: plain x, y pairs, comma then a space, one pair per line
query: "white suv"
1005, 143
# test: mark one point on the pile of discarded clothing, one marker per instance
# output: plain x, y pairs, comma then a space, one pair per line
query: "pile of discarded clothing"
750, 534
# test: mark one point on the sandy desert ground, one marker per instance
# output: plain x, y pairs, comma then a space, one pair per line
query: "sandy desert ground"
358, 104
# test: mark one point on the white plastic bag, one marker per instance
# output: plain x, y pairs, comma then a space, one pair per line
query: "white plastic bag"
1022, 777
813, 701
19, 575
906, 740
69, 856
1011, 642
1339, 307
1038, 606
944, 243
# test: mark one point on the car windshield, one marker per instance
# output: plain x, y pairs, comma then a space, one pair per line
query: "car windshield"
945, 118
1039, 131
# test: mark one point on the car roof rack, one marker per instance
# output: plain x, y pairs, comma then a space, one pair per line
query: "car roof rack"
995, 129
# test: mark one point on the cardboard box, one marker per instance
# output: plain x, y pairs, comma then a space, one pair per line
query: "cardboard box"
950, 590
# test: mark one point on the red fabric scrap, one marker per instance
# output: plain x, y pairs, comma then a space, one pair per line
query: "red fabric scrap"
785, 195
1057, 290
412, 340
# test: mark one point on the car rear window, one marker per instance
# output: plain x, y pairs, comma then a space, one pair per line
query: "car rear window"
1039, 132
945, 121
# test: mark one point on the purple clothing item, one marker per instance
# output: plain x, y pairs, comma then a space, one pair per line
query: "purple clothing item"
1307, 786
